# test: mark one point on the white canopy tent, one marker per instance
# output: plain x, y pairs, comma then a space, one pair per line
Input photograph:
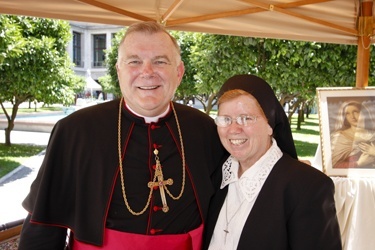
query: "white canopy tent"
91, 84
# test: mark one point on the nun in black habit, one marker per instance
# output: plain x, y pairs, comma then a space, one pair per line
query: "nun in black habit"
267, 198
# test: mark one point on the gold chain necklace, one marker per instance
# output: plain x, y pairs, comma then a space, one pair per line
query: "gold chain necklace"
156, 158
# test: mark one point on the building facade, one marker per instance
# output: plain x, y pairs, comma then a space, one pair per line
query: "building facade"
87, 48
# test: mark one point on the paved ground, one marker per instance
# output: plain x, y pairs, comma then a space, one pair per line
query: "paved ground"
15, 186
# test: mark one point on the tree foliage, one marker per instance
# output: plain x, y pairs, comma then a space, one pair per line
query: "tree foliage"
294, 69
34, 64
216, 58
110, 81
187, 89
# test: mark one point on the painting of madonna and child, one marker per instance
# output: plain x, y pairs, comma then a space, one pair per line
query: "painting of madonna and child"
347, 125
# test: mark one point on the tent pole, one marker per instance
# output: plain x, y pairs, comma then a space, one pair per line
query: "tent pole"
365, 33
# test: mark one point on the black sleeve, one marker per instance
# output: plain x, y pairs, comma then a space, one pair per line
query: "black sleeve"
314, 223
41, 237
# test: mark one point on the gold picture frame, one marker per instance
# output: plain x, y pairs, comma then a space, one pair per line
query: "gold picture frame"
347, 131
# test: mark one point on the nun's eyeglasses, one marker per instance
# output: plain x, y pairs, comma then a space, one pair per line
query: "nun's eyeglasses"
243, 120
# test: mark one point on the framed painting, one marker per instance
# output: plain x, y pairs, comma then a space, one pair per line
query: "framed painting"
347, 131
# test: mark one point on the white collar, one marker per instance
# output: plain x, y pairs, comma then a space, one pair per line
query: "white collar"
253, 178
147, 118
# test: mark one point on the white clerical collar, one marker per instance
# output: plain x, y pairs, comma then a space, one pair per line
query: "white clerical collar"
147, 118
251, 181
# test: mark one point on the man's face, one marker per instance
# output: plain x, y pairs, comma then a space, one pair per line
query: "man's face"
149, 71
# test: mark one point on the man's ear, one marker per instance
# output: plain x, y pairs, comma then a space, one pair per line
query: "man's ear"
180, 71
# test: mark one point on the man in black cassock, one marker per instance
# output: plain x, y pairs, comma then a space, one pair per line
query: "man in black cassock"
133, 173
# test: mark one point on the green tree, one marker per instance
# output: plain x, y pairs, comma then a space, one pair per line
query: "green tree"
187, 89
295, 69
9, 36
110, 81
218, 57
35, 65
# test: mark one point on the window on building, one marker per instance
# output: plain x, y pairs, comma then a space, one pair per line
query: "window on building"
77, 57
99, 47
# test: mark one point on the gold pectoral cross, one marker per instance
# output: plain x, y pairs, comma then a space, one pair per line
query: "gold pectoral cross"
160, 182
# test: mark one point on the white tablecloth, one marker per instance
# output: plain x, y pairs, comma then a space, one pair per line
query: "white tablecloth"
355, 205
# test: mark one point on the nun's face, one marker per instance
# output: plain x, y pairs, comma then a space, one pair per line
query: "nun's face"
246, 143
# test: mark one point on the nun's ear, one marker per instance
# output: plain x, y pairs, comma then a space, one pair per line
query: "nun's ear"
270, 130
